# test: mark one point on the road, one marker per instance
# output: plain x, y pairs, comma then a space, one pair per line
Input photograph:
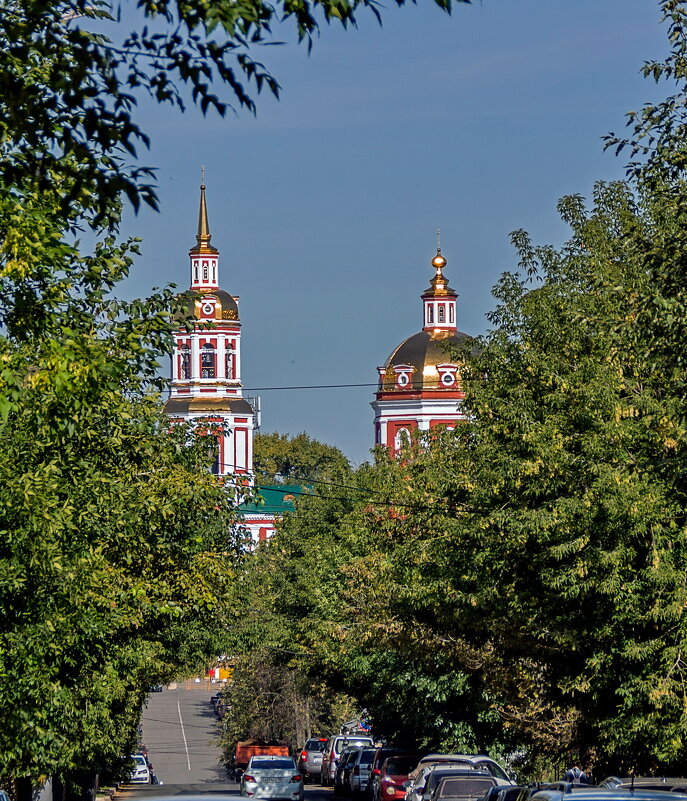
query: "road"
179, 730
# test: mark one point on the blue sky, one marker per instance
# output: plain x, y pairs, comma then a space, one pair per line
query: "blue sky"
325, 205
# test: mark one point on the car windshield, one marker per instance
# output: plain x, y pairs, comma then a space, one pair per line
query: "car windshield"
367, 755
339, 745
139, 760
463, 787
400, 766
279, 763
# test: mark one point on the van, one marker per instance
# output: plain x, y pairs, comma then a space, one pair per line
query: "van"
330, 757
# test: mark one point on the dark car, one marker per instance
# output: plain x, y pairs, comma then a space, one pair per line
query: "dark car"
310, 757
646, 783
470, 785
342, 784
582, 792
360, 774
393, 773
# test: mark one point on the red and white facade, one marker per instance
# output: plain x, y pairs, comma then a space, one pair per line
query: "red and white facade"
419, 384
206, 374
206, 364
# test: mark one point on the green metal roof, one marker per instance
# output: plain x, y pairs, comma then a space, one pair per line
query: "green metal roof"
276, 499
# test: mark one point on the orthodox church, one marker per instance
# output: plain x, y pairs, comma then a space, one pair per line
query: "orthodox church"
206, 381
419, 384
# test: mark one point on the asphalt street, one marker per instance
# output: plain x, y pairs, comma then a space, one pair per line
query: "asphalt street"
180, 731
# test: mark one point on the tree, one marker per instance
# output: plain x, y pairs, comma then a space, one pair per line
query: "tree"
284, 459
533, 559
115, 556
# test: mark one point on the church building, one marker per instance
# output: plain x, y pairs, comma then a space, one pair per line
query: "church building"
419, 384
206, 381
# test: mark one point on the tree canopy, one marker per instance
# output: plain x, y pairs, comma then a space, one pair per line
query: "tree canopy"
520, 580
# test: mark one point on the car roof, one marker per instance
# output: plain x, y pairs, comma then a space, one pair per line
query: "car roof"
584, 793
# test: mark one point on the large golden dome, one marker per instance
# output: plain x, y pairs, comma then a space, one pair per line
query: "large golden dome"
423, 352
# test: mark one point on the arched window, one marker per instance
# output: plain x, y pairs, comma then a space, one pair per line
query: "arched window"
207, 362
229, 360
185, 363
451, 313
205, 272
402, 439
195, 269
442, 313
430, 314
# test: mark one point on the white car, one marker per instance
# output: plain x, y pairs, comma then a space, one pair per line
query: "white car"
272, 777
417, 779
141, 772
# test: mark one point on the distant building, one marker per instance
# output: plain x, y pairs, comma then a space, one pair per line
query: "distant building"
206, 381
419, 384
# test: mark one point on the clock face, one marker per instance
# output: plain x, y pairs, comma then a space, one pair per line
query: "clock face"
448, 379
208, 307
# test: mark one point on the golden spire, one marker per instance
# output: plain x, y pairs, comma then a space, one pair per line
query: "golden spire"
203, 236
439, 281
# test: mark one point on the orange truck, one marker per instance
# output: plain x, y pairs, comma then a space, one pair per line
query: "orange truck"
245, 749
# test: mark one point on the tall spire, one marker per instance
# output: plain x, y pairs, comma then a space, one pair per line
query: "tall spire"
203, 236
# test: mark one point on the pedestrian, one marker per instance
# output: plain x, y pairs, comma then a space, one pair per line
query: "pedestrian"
576, 775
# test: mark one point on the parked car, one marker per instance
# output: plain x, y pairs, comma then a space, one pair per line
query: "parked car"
381, 755
310, 757
360, 775
344, 766
583, 792
470, 785
273, 777
388, 786
514, 792
335, 745
478, 761
441, 772
141, 772
646, 783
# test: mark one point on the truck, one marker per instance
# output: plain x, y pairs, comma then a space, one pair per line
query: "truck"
245, 749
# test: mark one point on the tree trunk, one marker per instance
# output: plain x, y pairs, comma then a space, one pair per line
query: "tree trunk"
23, 789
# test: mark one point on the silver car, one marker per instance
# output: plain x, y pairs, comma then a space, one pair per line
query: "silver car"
274, 777
310, 759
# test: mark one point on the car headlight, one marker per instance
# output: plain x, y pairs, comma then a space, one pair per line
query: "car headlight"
389, 790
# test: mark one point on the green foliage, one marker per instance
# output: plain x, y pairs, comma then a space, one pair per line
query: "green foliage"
518, 583
115, 546
268, 699
279, 458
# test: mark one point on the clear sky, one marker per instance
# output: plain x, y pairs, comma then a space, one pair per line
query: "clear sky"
325, 205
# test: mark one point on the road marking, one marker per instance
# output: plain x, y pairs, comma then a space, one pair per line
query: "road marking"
183, 734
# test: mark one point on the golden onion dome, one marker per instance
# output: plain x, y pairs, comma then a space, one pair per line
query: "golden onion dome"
423, 352
439, 262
